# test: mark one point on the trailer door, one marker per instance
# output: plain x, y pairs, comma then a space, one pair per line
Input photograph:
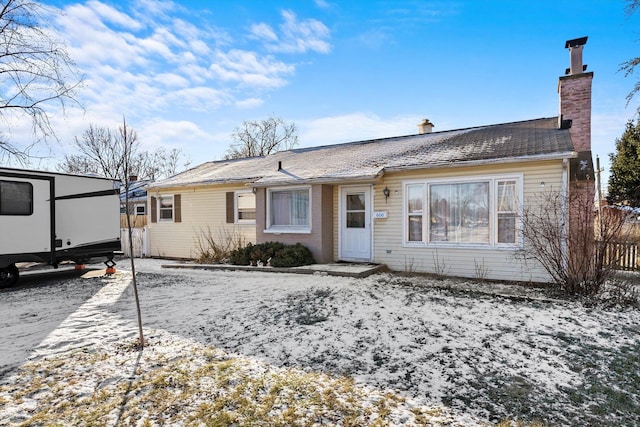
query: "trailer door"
25, 219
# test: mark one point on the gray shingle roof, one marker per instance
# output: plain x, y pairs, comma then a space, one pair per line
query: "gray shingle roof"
501, 143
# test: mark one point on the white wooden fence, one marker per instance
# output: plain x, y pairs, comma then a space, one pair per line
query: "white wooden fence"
140, 239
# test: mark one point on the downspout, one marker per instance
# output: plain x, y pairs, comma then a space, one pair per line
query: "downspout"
565, 214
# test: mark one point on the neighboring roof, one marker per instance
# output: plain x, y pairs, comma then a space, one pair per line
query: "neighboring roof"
137, 190
366, 160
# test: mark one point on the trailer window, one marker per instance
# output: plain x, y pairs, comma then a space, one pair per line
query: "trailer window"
16, 198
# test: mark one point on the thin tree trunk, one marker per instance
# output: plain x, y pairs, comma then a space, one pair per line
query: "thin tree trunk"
127, 147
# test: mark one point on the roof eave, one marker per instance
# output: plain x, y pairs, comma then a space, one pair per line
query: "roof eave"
202, 183
504, 160
323, 180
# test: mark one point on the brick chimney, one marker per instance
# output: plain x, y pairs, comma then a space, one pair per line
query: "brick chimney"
575, 97
425, 126
575, 114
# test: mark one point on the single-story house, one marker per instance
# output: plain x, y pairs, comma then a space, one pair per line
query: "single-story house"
444, 202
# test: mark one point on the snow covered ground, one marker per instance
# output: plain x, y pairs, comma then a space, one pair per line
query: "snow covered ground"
481, 353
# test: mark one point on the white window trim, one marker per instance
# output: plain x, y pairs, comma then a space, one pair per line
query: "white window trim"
173, 208
137, 205
493, 217
287, 229
236, 218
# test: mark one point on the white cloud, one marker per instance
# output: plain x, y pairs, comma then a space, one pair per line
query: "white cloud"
200, 99
146, 59
249, 103
171, 134
171, 80
322, 4
264, 31
113, 15
248, 68
296, 36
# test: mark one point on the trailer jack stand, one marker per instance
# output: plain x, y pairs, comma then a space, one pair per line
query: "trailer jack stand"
111, 266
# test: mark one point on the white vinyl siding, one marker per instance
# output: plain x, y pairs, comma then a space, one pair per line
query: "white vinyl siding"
392, 248
203, 212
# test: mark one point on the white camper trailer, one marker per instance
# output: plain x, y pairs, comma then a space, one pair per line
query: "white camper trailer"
49, 217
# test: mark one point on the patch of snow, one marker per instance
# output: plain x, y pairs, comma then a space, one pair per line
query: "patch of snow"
439, 343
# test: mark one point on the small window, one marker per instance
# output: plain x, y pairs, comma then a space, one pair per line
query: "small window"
245, 207
165, 208
415, 194
289, 209
141, 209
16, 198
507, 212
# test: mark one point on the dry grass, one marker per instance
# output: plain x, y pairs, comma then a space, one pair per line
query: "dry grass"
201, 386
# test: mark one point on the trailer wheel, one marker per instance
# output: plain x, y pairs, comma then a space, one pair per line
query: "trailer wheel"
8, 276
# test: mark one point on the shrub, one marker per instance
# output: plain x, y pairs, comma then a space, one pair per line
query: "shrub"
274, 253
241, 256
572, 241
293, 256
214, 248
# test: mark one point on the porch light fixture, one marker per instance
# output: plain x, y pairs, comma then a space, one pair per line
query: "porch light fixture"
386, 193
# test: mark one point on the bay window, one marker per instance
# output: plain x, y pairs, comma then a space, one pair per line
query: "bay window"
479, 211
289, 209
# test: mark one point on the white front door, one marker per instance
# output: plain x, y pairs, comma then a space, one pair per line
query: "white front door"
355, 223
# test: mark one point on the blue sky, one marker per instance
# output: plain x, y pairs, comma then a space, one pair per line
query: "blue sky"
185, 74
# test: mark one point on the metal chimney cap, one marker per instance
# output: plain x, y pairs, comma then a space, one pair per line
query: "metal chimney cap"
576, 42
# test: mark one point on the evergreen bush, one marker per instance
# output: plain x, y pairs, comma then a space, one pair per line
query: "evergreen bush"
275, 254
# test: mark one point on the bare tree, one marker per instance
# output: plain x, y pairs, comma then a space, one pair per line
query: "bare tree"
559, 234
629, 66
100, 154
35, 70
126, 144
262, 137
159, 163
